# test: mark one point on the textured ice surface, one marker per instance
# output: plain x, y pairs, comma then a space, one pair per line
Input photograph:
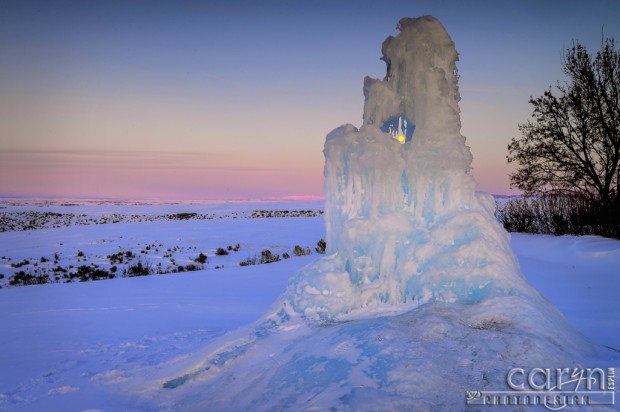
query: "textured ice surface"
423, 360
405, 225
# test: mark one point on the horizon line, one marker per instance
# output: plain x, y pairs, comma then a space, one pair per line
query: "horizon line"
4, 198
292, 198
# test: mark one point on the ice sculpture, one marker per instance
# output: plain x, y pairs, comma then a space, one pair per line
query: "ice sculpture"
405, 225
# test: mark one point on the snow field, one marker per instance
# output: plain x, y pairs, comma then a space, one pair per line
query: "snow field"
111, 345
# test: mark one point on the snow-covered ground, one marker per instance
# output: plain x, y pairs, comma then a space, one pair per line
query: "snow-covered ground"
96, 345
115, 236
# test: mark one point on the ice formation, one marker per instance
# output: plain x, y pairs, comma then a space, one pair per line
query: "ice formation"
406, 234
404, 222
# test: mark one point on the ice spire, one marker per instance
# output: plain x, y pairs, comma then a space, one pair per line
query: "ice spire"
405, 225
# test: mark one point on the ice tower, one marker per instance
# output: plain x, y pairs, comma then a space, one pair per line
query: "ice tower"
405, 225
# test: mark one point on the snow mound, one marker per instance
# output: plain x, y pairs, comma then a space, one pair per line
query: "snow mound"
424, 359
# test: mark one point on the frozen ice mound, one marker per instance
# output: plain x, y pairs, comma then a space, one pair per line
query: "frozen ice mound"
425, 359
405, 225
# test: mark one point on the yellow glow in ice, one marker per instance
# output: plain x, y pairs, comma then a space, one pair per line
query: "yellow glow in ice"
401, 138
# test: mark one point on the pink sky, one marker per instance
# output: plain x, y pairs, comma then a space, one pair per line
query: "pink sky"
215, 101
166, 149
131, 175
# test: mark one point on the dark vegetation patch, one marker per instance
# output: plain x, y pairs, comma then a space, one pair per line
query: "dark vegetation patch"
560, 215
32, 220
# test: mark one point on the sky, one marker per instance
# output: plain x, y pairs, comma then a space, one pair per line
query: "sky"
217, 100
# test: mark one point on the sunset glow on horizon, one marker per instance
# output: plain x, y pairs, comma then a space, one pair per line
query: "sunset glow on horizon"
220, 100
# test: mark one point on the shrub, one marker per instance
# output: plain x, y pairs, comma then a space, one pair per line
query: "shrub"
233, 248
202, 258
221, 252
268, 257
249, 261
24, 262
560, 215
120, 256
321, 246
286, 255
517, 215
22, 278
87, 273
137, 269
265, 257
299, 251
183, 216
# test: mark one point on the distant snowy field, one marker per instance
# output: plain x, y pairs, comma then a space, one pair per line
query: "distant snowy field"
78, 346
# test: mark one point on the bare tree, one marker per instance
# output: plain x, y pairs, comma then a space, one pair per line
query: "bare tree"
572, 143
